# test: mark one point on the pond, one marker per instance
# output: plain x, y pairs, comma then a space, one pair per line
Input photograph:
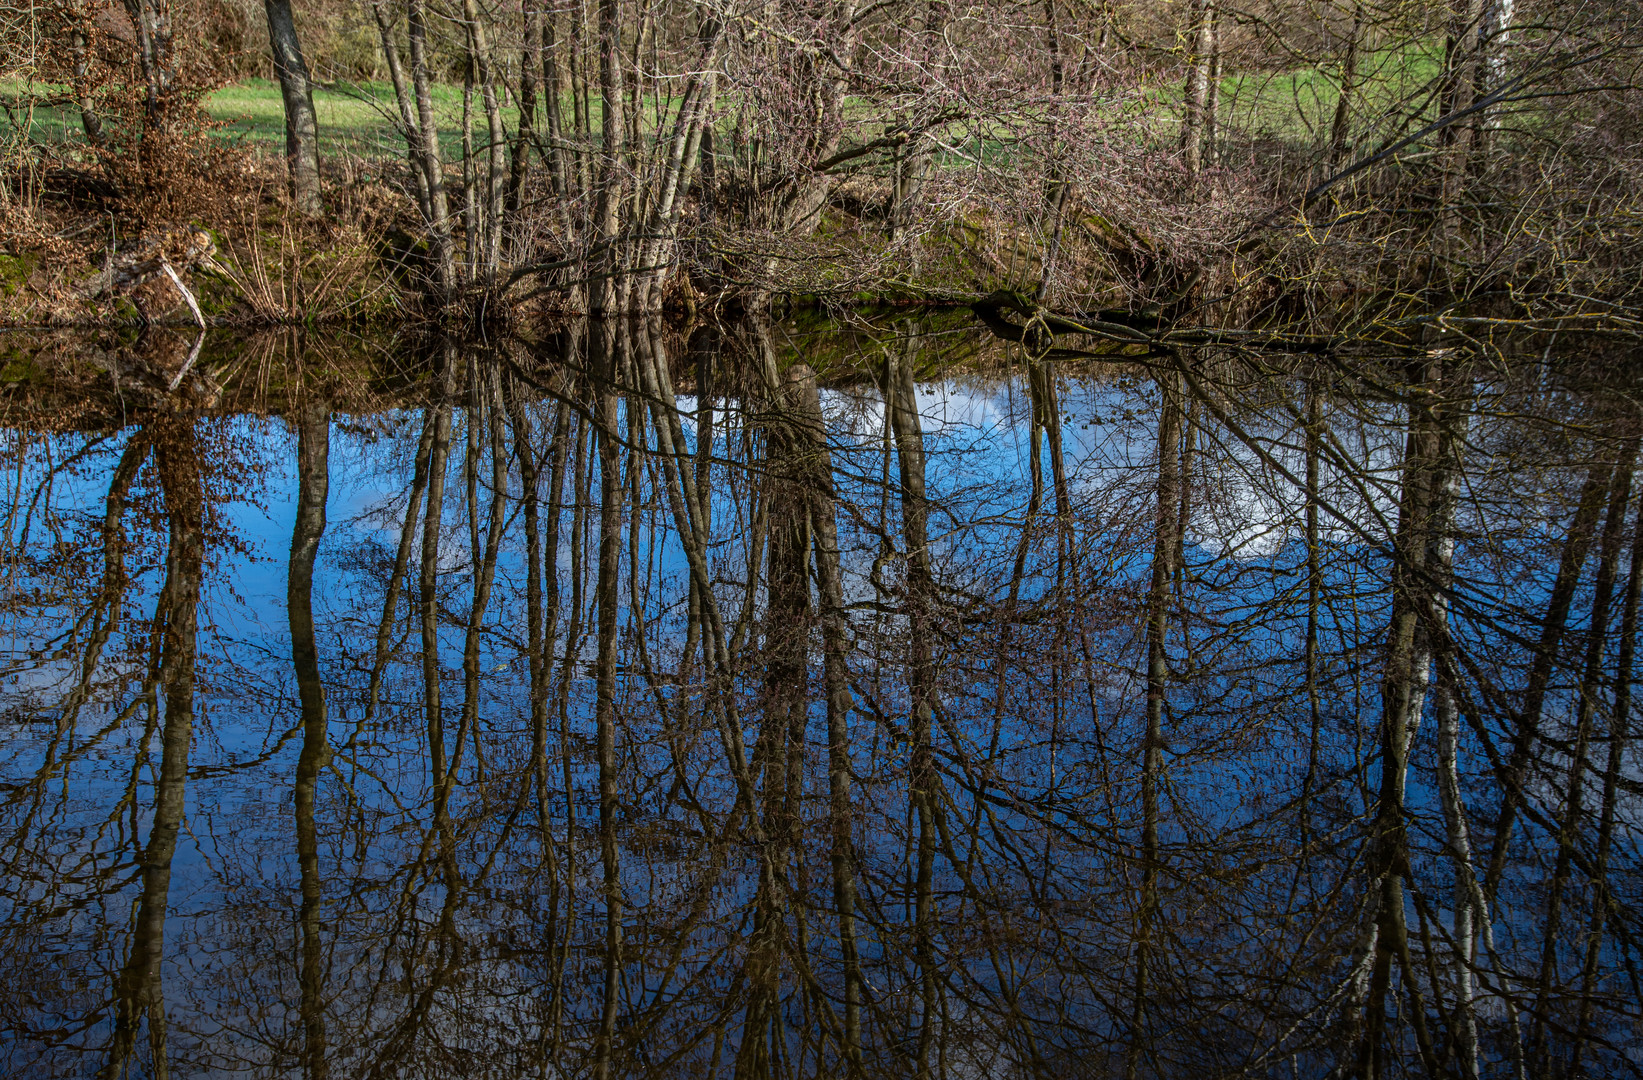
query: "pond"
809, 699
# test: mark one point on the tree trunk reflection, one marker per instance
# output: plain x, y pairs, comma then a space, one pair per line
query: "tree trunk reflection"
139, 991
762, 703
313, 484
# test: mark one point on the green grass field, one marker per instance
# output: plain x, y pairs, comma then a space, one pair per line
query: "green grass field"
1300, 104
352, 119
1294, 105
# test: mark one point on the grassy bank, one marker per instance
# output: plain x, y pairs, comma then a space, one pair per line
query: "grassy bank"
361, 118
1139, 234
354, 118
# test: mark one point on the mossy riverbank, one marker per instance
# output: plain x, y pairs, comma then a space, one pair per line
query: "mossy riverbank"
257, 263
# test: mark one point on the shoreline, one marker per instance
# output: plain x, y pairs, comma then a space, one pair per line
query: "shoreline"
434, 324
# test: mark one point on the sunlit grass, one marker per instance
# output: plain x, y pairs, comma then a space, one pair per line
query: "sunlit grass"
1299, 104
1296, 105
359, 119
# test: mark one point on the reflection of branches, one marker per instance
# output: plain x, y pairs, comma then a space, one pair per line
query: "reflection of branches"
138, 990
884, 767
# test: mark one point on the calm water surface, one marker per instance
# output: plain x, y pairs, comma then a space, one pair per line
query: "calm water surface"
647, 701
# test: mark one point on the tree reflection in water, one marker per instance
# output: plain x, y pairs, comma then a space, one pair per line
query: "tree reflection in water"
767, 702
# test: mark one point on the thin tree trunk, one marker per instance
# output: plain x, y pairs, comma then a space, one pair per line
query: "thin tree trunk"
581, 498
542, 624
490, 225
657, 256
530, 59
609, 292
425, 153
472, 229
1458, 81
1201, 45
152, 19
301, 122
1212, 91
582, 95
111, 593
1056, 187
705, 343
1494, 37
90, 122
403, 98
559, 159
1340, 129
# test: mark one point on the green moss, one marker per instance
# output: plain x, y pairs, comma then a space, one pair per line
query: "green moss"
20, 370
15, 271
216, 296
